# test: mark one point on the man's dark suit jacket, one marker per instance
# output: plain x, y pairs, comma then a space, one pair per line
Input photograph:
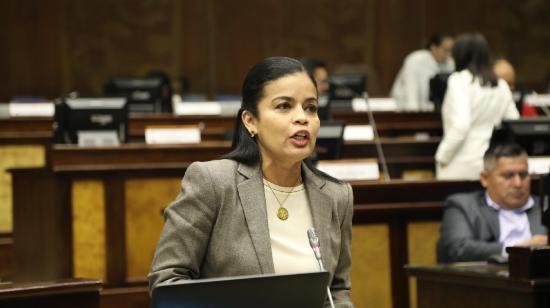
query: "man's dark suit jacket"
470, 228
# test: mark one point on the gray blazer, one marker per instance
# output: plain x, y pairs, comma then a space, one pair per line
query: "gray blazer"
470, 228
217, 226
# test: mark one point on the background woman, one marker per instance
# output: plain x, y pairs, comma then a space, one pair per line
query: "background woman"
475, 102
249, 213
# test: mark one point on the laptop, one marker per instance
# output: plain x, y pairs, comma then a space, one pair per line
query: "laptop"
303, 290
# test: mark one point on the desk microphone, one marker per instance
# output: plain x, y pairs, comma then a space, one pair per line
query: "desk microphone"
377, 142
316, 247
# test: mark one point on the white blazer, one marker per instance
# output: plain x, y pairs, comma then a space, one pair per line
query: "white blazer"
469, 114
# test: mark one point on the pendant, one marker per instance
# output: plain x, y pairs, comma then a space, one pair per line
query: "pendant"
282, 213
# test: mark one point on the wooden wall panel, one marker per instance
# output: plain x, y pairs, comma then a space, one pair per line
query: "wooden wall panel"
106, 38
195, 42
398, 32
30, 48
58, 46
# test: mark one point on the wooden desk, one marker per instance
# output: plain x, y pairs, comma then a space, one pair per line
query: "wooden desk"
475, 285
133, 183
38, 130
26, 130
395, 124
65, 293
401, 154
390, 124
6, 257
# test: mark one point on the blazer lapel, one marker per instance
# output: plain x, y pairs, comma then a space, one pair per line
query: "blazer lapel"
251, 194
490, 214
321, 205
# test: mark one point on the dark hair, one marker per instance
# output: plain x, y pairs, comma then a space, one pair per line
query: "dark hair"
437, 39
244, 148
501, 150
471, 52
311, 64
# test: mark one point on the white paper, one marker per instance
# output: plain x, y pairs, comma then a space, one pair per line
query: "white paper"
349, 170
376, 104
358, 133
98, 138
538, 100
44, 109
198, 108
539, 165
175, 135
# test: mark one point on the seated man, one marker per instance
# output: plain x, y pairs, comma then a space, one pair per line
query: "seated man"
411, 88
478, 225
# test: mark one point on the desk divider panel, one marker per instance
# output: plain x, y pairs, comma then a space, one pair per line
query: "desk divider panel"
15, 156
371, 273
88, 222
145, 200
422, 239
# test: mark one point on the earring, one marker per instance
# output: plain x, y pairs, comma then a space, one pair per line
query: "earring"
252, 134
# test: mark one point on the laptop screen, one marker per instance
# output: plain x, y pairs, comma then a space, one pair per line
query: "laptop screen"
302, 290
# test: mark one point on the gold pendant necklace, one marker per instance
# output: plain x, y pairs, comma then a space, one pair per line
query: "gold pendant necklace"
282, 212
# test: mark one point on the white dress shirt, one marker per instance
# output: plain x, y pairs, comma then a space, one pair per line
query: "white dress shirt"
514, 224
469, 114
411, 88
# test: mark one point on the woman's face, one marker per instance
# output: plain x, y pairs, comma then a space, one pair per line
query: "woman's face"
287, 122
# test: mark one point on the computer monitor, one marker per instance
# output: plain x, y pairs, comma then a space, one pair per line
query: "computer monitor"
323, 108
533, 134
330, 140
343, 88
438, 87
91, 121
144, 94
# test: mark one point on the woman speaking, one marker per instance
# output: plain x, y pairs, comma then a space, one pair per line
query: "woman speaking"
249, 212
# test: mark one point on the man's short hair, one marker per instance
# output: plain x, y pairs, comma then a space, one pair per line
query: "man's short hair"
501, 150
437, 39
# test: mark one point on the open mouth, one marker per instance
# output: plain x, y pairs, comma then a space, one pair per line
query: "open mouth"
300, 136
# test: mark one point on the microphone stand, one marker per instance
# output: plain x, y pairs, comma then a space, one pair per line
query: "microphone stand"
316, 247
322, 269
377, 141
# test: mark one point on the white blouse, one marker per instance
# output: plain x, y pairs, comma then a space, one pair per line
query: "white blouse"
469, 113
289, 241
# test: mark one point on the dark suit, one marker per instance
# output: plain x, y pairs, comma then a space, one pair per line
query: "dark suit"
218, 226
470, 228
